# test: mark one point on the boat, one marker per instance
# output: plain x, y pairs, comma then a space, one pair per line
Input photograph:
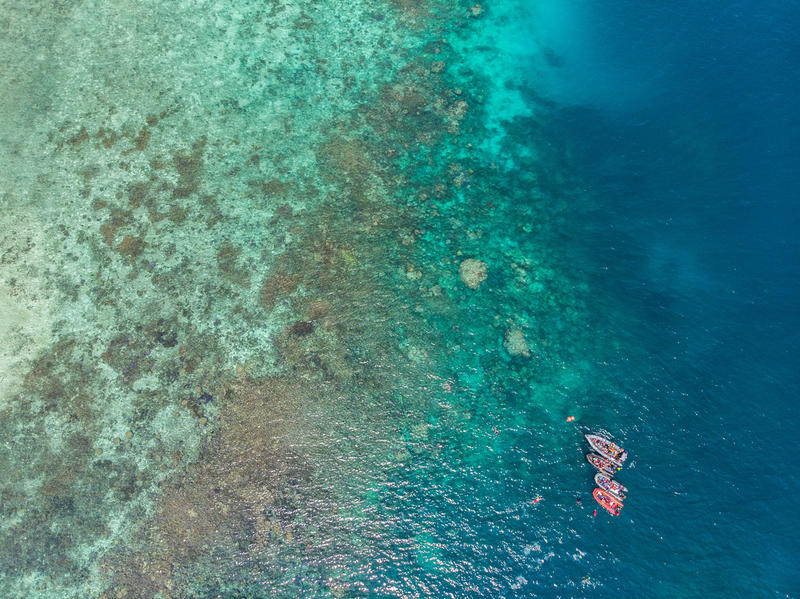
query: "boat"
608, 501
605, 482
601, 463
606, 448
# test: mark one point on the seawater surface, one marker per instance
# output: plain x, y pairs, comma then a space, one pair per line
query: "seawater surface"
296, 298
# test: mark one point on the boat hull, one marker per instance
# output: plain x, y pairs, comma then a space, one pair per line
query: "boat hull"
611, 486
608, 501
601, 446
602, 464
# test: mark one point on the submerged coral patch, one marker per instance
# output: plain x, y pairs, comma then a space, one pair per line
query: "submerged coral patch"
472, 272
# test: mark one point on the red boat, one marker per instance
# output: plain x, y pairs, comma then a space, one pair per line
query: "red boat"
601, 463
608, 501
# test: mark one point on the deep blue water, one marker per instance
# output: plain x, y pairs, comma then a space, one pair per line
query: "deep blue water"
682, 132
684, 123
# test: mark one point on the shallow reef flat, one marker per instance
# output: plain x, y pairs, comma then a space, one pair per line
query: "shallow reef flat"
239, 321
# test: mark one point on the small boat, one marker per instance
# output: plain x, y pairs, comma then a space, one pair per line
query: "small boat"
608, 501
605, 482
601, 463
608, 449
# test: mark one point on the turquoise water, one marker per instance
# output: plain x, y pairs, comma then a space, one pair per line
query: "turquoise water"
296, 299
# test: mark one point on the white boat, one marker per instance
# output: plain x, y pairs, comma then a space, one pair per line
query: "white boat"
605, 482
607, 449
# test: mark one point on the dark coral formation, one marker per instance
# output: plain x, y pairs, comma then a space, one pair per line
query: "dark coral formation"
189, 167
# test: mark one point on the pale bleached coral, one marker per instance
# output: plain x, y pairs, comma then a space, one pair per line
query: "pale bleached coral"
516, 344
472, 272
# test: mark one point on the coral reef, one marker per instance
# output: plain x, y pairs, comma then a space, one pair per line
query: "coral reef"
236, 314
472, 272
516, 344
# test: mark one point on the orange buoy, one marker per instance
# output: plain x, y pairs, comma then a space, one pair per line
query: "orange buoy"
570, 418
